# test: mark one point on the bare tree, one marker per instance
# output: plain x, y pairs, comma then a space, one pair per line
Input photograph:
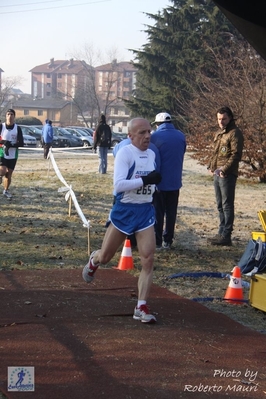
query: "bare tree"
87, 98
238, 81
7, 96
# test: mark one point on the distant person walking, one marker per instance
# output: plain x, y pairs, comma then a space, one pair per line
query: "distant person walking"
102, 141
223, 165
47, 137
171, 144
10, 139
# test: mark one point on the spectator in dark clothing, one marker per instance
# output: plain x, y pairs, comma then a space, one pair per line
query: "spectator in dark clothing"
102, 141
171, 144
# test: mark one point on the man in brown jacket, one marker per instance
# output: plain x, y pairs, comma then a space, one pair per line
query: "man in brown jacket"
224, 164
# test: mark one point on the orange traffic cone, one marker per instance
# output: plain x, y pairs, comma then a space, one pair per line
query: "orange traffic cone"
234, 292
126, 260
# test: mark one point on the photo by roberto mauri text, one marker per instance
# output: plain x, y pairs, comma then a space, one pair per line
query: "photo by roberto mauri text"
239, 382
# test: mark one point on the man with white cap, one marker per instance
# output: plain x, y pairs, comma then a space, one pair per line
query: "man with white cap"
171, 144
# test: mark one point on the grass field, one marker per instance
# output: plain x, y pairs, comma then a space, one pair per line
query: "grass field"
37, 231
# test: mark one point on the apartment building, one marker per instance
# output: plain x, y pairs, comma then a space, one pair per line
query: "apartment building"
116, 80
63, 79
60, 78
113, 83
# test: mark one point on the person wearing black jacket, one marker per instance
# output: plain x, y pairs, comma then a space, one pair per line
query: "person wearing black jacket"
10, 139
102, 141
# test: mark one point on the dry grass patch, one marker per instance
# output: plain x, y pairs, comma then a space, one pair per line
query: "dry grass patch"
37, 232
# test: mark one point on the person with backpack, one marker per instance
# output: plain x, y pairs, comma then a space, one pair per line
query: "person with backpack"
102, 141
10, 139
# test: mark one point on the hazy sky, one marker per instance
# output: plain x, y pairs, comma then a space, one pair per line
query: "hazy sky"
33, 31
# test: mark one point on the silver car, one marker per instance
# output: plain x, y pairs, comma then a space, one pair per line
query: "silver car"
82, 134
29, 141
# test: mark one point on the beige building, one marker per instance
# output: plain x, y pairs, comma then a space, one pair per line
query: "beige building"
113, 83
60, 112
60, 78
116, 80
55, 84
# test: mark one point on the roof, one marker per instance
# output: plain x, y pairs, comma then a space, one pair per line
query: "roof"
50, 103
117, 66
61, 66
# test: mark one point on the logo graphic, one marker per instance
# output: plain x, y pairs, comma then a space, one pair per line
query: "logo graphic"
20, 379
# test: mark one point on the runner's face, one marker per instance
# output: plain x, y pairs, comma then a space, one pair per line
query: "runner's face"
10, 117
140, 134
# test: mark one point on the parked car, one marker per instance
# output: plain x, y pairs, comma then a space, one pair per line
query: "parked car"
86, 138
29, 141
72, 140
27, 130
117, 138
36, 131
87, 130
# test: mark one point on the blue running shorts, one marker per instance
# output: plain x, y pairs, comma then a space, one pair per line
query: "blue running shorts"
130, 218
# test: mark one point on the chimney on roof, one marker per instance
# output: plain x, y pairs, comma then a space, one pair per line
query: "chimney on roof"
51, 63
71, 63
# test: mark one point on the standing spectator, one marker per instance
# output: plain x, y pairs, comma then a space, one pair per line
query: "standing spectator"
102, 141
224, 164
132, 212
171, 144
47, 137
10, 139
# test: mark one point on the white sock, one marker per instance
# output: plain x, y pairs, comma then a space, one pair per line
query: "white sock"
93, 263
141, 303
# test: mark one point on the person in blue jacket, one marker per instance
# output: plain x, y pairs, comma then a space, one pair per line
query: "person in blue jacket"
47, 137
171, 144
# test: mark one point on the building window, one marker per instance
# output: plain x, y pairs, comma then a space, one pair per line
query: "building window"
48, 84
59, 85
59, 76
127, 74
48, 75
40, 112
26, 112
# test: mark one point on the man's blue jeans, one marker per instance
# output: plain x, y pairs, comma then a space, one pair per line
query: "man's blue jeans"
102, 154
224, 188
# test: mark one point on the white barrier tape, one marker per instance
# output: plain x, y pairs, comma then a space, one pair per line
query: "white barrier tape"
68, 190
31, 148
55, 148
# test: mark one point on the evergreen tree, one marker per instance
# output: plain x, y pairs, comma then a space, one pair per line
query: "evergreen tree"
178, 47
